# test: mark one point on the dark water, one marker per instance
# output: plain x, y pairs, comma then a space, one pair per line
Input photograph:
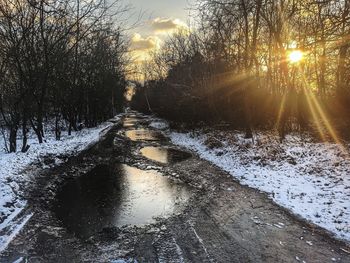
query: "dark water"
164, 155
144, 135
123, 195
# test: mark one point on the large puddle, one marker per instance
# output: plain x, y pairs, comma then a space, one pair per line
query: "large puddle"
144, 135
164, 155
109, 197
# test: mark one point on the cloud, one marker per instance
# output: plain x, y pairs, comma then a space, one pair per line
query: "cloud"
167, 25
141, 47
157, 30
139, 43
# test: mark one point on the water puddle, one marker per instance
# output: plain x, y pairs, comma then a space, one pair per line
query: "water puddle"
144, 135
124, 195
164, 155
130, 122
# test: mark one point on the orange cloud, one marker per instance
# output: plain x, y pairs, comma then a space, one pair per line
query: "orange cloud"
139, 43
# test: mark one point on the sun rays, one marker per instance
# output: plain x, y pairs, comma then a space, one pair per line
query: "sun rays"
321, 120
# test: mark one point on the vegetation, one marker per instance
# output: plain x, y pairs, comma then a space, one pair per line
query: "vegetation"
282, 64
62, 60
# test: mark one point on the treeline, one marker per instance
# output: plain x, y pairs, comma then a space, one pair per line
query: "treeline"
241, 63
62, 60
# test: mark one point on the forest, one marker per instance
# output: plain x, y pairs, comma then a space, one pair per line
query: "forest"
61, 62
256, 64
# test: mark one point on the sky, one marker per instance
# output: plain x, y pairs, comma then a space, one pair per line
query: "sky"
162, 8
156, 20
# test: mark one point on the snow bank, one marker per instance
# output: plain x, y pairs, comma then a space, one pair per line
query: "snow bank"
12, 167
310, 179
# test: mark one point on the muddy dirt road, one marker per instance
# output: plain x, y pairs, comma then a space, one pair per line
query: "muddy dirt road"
134, 197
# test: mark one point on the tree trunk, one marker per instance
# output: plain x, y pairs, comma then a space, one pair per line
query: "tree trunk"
341, 83
247, 113
69, 129
13, 139
57, 129
323, 58
38, 130
25, 146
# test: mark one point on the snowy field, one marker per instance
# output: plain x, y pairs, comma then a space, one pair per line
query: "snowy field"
13, 172
310, 179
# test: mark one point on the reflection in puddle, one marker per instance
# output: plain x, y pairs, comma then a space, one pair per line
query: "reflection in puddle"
125, 195
144, 135
164, 155
130, 122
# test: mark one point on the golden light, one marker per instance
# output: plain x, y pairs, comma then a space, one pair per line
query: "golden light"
295, 56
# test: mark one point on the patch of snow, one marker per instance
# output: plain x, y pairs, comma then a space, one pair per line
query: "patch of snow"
308, 178
13, 215
309, 243
18, 260
122, 260
6, 239
179, 252
159, 124
14, 170
344, 250
278, 226
202, 243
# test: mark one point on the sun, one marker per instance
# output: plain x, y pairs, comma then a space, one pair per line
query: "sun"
295, 56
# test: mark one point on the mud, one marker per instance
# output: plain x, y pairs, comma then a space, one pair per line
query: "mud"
222, 221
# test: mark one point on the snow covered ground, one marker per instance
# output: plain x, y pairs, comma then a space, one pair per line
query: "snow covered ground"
310, 179
12, 175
